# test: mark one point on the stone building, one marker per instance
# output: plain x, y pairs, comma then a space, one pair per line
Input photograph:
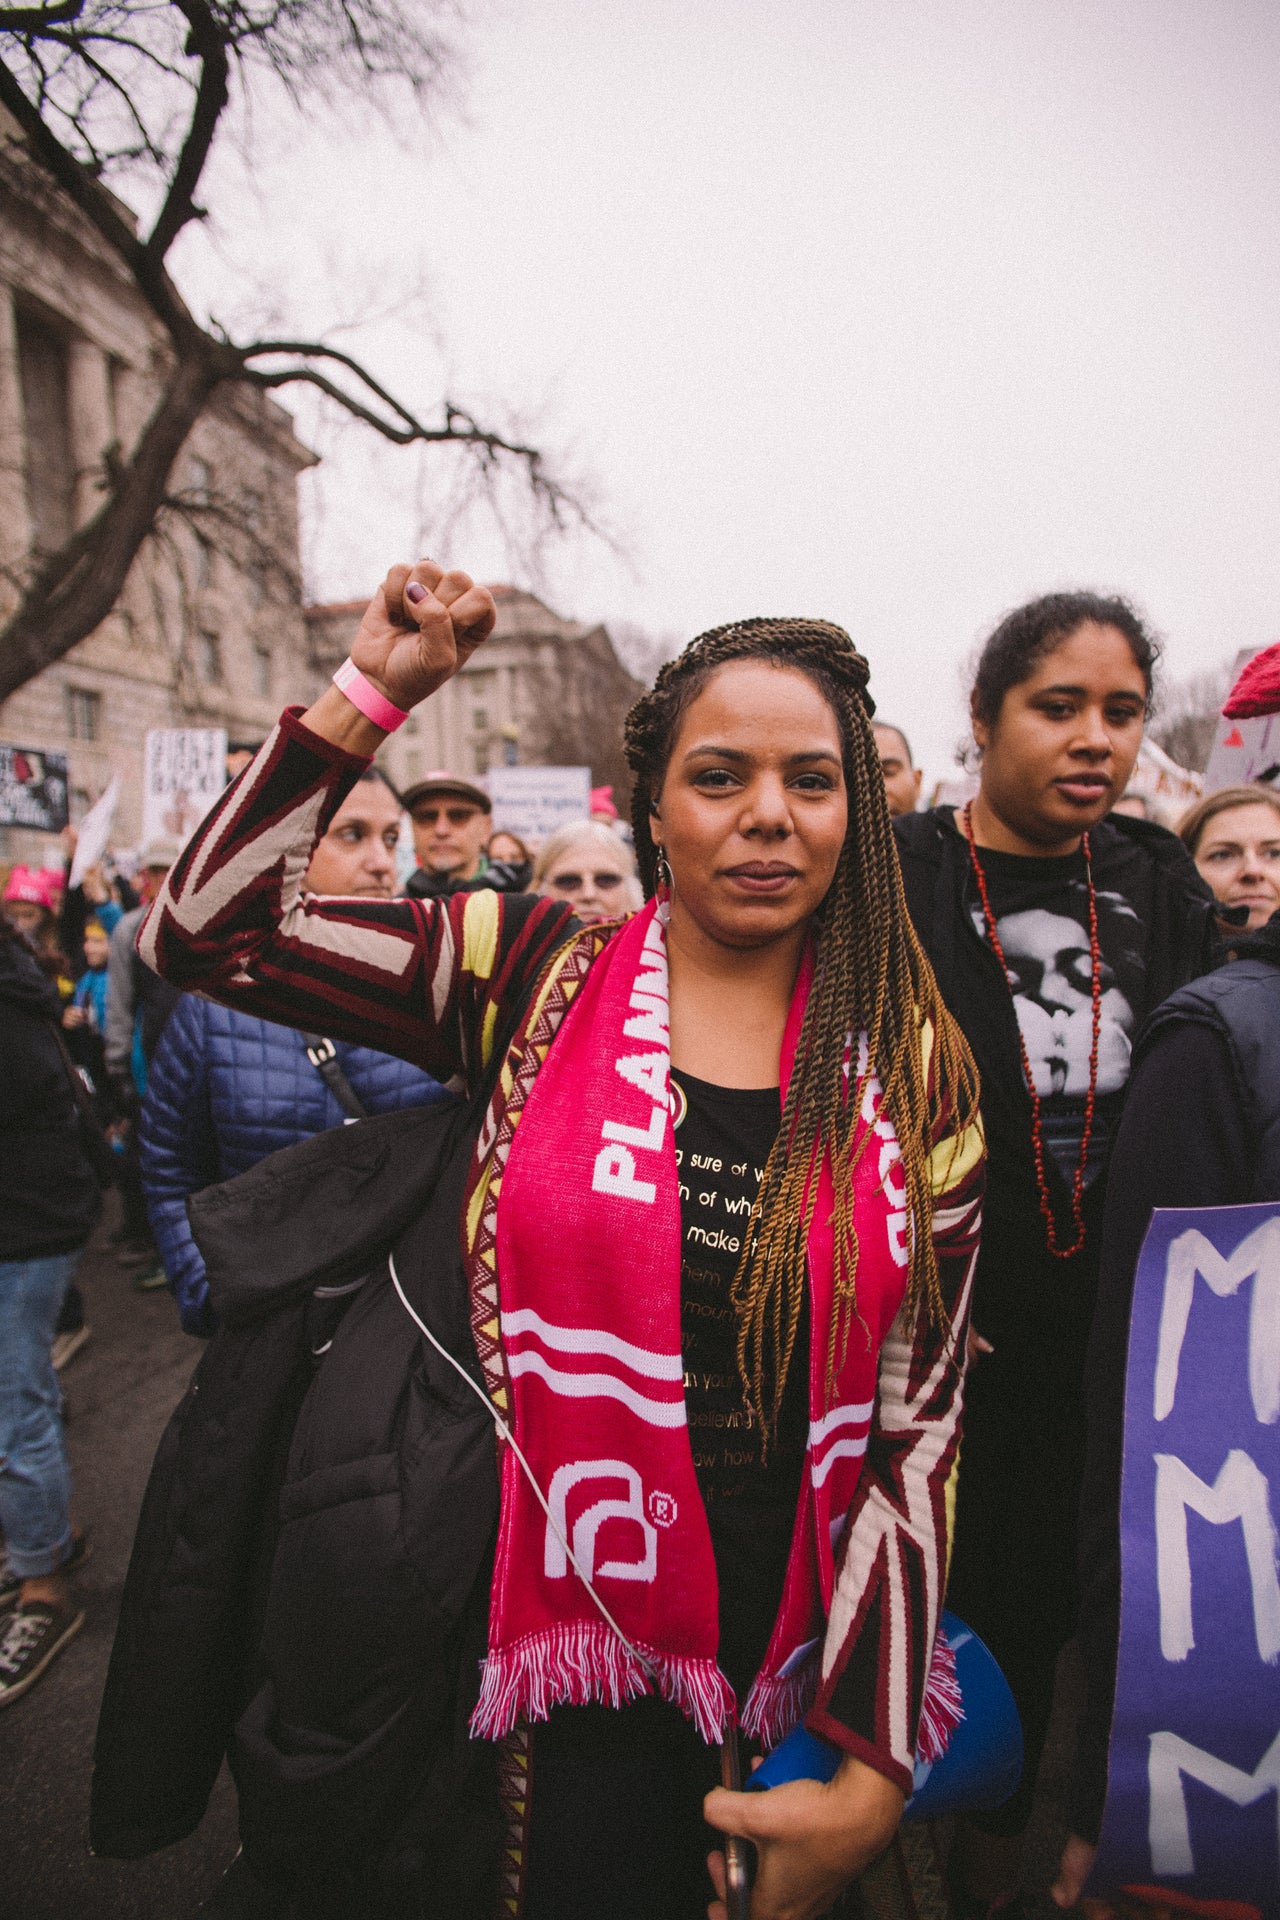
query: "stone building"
542, 691
209, 630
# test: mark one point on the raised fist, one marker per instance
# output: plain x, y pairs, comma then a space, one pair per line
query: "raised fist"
419, 628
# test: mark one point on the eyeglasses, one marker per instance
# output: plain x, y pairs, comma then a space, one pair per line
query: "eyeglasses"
456, 816
575, 882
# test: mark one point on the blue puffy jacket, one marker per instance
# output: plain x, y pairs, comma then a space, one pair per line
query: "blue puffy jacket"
225, 1089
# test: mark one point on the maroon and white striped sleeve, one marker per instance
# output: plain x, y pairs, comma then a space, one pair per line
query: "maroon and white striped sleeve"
893, 1567
422, 979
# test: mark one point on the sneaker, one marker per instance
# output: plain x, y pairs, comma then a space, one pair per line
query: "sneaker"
150, 1280
136, 1253
67, 1345
33, 1636
11, 1582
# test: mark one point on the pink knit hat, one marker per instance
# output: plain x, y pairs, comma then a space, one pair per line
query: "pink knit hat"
35, 886
1257, 691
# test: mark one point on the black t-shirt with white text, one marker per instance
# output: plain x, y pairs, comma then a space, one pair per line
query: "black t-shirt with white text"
723, 1138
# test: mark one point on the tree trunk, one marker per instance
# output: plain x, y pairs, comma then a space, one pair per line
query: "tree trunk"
76, 588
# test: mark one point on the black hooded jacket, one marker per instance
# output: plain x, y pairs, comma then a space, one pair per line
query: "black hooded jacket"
1202, 1129
49, 1197
502, 876
308, 1592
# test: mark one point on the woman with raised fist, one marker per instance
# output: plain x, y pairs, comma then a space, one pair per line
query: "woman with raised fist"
717, 1228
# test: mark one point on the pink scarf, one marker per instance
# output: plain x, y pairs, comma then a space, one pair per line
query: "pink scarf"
588, 1260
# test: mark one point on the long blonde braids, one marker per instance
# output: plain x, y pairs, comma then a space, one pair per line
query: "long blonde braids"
870, 975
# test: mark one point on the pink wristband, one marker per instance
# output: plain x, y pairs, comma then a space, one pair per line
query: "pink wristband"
363, 694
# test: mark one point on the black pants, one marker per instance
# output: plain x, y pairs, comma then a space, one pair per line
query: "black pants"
616, 1823
1014, 1573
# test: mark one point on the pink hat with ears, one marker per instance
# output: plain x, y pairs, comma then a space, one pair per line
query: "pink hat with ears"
1257, 691
34, 886
602, 802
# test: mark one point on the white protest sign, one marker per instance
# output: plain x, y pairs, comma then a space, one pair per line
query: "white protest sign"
533, 801
1244, 751
95, 831
184, 772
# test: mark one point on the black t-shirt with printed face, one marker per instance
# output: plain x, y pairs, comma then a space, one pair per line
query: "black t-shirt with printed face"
1041, 908
723, 1138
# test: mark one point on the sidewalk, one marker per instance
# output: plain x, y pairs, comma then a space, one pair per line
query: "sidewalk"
120, 1389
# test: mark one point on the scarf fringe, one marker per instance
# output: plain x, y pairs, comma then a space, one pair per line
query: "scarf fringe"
583, 1662
942, 1709
778, 1702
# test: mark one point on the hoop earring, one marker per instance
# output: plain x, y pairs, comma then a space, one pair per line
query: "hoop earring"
664, 887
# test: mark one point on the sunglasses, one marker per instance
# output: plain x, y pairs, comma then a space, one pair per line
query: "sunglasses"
456, 816
574, 882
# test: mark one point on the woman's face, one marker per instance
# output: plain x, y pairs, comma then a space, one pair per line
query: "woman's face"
1059, 755
591, 878
1239, 855
27, 918
505, 846
753, 807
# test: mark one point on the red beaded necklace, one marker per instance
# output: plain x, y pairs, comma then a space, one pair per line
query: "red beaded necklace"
1095, 994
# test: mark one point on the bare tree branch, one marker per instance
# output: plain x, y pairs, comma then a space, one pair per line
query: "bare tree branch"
96, 86
208, 46
37, 19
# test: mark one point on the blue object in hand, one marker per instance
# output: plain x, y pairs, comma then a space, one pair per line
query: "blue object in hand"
983, 1761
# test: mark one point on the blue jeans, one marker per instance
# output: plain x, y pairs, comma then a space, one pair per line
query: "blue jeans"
35, 1483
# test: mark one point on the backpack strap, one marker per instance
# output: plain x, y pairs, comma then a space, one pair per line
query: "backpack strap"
323, 1056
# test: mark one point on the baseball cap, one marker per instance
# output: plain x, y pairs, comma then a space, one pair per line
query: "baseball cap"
160, 853
443, 782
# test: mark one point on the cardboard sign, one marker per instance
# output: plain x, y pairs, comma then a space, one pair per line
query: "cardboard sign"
533, 801
95, 831
185, 769
33, 789
1244, 750
1193, 1790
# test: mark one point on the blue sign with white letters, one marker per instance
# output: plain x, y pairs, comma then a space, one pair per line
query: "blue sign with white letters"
1193, 1792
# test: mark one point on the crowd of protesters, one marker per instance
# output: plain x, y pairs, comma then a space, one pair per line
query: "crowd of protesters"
1091, 959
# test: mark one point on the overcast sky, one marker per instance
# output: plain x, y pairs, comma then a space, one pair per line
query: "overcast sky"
889, 312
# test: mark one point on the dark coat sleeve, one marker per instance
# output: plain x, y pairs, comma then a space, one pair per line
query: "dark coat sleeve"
1171, 1151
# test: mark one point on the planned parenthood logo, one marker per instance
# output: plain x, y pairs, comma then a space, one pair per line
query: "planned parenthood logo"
1193, 1797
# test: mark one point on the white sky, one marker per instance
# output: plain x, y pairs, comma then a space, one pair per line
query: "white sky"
891, 311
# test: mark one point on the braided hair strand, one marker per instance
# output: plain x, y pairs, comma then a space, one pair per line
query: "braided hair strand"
871, 976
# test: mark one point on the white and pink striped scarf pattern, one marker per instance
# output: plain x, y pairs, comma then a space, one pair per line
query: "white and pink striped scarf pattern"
588, 1261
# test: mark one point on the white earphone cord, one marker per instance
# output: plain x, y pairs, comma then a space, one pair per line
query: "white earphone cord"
529, 1474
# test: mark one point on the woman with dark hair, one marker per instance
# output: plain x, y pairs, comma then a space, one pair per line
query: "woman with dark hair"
719, 1270
1053, 930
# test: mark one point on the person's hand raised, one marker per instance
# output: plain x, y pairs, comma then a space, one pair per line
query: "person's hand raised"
420, 627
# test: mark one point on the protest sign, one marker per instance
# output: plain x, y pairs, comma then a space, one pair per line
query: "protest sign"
1193, 1790
1244, 750
185, 770
33, 789
95, 831
534, 801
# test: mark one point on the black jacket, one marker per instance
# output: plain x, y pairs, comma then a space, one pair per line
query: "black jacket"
503, 876
1202, 1129
49, 1197
309, 1585
1035, 1309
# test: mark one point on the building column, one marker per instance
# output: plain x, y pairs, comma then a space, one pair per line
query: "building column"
15, 526
92, 429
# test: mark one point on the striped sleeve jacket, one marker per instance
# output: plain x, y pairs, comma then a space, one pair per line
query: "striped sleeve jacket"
431, 981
